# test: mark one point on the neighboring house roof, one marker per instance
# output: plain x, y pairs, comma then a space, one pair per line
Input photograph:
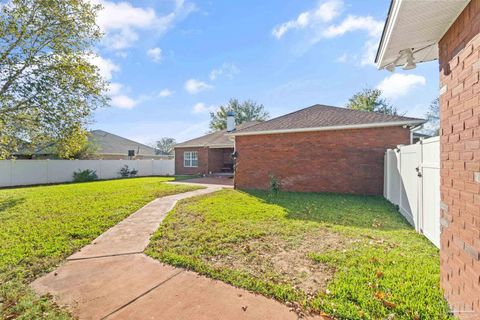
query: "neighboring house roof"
219, 139
321, 117
109, 143
416, 26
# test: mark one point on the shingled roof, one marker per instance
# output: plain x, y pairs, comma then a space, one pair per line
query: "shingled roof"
321, 117
109, 143
217, 139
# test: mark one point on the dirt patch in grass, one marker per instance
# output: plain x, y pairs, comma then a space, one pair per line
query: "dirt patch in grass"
285, 260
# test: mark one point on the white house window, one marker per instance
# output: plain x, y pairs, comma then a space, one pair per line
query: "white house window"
190, 159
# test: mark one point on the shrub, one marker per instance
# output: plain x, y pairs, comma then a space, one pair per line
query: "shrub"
125, 172
84, 175
274, 184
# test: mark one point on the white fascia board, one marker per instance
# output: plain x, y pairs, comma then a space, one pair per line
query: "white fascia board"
332, 128
385, 41
214, 146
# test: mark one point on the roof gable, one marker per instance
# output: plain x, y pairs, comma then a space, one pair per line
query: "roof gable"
219, 139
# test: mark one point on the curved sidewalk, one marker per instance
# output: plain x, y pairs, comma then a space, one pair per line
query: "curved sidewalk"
111, 278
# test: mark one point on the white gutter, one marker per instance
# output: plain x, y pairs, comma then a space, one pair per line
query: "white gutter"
384, 41
215, 146
331, 128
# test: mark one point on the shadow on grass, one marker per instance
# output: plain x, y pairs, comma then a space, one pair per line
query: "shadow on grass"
371, 212
10, 203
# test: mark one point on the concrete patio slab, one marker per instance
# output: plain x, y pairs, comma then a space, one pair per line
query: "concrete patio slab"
94, 288
190, 296
220, 181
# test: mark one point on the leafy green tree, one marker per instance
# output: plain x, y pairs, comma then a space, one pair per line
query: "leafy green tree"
433, 118
244, 112
48, 87
75, 144
165, 145
371, 100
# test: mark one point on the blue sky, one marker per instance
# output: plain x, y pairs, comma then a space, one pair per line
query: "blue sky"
171, 61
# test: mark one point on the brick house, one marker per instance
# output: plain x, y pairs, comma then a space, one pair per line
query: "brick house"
208, 154
320, 149
418, 31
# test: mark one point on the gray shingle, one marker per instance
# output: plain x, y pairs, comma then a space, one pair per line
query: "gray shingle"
109, 143
321, 116
215, 139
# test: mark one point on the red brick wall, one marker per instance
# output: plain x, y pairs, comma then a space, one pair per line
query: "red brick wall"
202, 161
460, 163
345, 161
209, 160
216, 159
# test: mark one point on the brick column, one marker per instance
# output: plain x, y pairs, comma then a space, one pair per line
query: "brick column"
460, 163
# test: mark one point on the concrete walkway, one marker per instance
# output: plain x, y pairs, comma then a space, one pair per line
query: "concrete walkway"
112, 279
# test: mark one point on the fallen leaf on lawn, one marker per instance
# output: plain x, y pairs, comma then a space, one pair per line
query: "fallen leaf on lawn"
379, 274
389, 304
379, 295
374, 260
326, 316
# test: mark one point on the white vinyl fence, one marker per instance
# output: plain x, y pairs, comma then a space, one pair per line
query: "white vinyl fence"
412, 181
29, 172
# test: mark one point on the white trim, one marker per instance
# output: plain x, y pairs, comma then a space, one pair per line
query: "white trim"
190, 159
332, 128
215, 146
388, 31
392, 22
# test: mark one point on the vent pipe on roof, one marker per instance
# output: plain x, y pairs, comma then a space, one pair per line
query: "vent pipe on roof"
230, 121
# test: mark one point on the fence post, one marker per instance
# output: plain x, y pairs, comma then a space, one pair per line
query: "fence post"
11, 172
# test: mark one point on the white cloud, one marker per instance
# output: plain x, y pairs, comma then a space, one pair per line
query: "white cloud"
369, 52
165, 93
119, 99
397, 84
114, 88
355, 23
123, 101
343, 58
155, 54
324, 12
228, 70
201, 107
121, 21
106, 66
194, 86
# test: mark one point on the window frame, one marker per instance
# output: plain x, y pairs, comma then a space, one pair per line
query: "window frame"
190, 159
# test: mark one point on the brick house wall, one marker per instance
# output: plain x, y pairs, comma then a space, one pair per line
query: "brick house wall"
209, 160
202, 161
459, 53
344, 161
218, 158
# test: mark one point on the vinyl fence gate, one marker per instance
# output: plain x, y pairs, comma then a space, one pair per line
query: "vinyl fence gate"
412, 181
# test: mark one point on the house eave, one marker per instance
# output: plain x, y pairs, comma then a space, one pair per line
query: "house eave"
333, 128
417, 26
211, 146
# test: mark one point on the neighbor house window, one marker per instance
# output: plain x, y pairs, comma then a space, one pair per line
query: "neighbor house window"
190, 159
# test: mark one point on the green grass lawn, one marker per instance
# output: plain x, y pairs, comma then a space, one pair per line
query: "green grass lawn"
349, 257
41, 226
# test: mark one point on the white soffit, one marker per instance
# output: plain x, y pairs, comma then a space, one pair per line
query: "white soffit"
418, 25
